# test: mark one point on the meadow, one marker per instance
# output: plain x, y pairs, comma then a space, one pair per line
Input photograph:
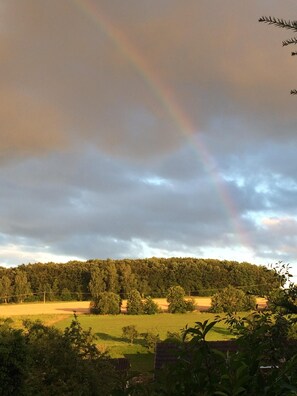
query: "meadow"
108, 328
108, 331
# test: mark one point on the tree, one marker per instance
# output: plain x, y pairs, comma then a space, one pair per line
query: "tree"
5, 288
231, 299
177, 302
281, 23
150, 307
66, 294
106, 303
134, 303
283, 299
151, 340
79, 369
13, 359
21, 286
96, 284
43, 360
130, 333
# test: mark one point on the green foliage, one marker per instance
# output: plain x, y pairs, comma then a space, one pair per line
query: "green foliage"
134, 303
149, 276
150, 340
106, 303
66, 294
177, 302
96, 284
42, 360
13, 360
174, 336
150, 307
5, 288
130, 333
201, 370
231, 299
21, 286
263, 340
283, 300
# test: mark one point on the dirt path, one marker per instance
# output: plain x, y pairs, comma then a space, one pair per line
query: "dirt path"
82, 307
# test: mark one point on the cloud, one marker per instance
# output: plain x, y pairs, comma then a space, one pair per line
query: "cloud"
75, 74
143, 128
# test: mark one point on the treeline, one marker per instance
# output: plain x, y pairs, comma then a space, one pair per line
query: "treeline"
151, 277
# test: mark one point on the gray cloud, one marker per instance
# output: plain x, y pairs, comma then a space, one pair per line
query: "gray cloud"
160, 127
62, 65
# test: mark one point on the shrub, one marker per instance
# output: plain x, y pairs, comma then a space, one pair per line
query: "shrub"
190, 305
231, 299
106, 303
134, 303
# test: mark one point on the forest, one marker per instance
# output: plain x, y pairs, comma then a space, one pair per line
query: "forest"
151, 277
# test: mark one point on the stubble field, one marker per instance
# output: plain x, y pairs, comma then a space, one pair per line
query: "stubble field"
82, 307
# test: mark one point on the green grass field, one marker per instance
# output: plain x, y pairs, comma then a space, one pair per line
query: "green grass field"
108, 331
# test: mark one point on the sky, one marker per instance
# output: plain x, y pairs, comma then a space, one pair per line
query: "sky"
133, 129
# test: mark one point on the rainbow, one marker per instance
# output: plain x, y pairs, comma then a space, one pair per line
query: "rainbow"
167, 98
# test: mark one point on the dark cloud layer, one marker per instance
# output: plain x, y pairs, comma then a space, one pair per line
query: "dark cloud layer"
96, 156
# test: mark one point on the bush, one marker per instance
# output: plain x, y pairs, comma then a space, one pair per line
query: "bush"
150, 307
176, 301
134, 303
231, 299
106, 303
190, 305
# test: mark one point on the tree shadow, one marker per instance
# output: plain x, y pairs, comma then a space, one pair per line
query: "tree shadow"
108, 337
74, 310
221, 330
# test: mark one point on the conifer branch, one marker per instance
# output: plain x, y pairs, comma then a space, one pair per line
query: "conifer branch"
290, 41
281, 23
